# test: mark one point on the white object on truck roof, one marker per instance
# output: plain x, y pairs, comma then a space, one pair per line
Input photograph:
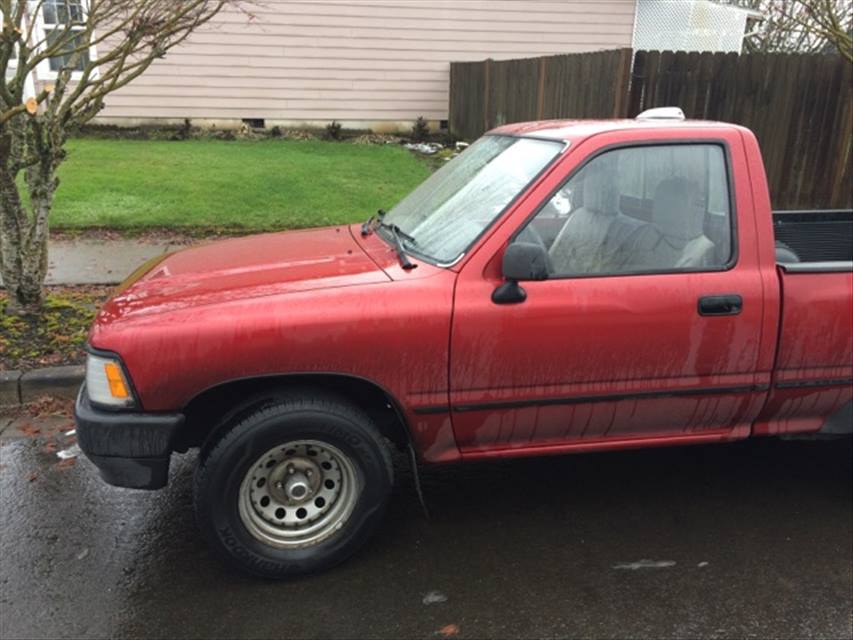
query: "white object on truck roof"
662, 113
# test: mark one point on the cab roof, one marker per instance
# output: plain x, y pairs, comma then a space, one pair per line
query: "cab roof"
575, 130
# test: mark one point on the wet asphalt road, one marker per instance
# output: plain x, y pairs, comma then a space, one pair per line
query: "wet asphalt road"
760, 534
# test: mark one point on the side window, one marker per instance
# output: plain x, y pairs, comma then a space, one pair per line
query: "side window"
639, 209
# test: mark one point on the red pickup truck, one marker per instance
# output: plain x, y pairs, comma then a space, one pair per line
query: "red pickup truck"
560, 287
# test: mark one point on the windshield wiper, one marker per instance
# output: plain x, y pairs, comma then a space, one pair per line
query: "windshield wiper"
396, 235
367, 227
395, 229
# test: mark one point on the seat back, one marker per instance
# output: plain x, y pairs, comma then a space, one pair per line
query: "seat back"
578, 246
679, 217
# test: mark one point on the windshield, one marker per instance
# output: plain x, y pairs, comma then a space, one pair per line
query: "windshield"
450, 209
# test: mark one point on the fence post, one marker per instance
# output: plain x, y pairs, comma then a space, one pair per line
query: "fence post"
635, 95
450, 95
540, 96
623, 74
487, 88
838, 196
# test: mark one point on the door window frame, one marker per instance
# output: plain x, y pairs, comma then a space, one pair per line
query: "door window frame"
656, 142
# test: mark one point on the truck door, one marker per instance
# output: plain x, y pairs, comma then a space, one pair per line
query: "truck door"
648, 325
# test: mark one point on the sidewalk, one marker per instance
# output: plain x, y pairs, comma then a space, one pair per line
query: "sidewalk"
99, 261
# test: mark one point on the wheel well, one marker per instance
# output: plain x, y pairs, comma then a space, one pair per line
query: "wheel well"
214, 408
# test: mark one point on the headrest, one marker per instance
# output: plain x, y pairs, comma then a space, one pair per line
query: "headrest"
599, 188
677, 212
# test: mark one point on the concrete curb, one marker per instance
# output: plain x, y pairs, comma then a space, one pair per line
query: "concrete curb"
19, 387
10, 390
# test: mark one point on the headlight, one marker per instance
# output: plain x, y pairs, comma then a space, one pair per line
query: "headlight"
106, 382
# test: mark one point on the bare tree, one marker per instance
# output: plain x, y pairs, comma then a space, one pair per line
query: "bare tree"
809, 26
95, 47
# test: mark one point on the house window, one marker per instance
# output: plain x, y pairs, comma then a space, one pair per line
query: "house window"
57, 18
78, 63
62, 11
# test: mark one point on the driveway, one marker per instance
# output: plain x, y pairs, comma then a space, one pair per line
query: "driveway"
746, 540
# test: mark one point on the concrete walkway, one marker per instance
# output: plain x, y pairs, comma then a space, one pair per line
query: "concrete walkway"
99, 261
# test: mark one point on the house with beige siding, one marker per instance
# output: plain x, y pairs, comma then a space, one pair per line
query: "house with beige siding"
369, 64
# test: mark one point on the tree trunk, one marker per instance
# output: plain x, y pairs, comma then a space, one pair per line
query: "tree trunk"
23, 238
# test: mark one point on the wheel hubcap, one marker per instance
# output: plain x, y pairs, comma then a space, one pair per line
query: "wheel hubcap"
297, 488
298, 494
296, 479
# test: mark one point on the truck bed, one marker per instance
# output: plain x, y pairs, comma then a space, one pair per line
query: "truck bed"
814, 365
815, 236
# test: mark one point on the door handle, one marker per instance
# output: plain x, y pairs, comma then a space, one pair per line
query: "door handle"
726, 305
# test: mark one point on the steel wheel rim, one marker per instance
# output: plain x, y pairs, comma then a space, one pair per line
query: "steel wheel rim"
298, 493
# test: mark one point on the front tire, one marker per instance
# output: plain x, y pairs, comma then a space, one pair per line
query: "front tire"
295, 487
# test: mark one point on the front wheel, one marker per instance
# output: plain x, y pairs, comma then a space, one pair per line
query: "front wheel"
295, 487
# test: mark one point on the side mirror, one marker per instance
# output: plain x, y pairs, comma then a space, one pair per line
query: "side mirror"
522, 261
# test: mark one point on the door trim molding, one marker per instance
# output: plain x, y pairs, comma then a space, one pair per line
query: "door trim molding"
617, 397
829, 382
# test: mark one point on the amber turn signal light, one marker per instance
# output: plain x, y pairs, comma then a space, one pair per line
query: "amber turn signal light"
118, 388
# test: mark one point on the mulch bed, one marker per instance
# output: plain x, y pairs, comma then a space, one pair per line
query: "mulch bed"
53, 337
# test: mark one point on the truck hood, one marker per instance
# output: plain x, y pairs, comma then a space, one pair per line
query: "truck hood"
240, 268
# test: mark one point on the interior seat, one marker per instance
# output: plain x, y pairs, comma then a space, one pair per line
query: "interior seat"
676, 238
785, 254
578, 246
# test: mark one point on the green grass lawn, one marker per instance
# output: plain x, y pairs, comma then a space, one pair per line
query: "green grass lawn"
267, 184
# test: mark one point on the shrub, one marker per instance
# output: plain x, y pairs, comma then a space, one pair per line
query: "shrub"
275, 132
184, 132
333, 130
420, 130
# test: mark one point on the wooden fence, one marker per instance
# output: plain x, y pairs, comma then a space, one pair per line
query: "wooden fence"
488, 94
800, 106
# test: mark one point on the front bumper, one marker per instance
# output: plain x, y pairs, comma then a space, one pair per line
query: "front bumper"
130, 449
